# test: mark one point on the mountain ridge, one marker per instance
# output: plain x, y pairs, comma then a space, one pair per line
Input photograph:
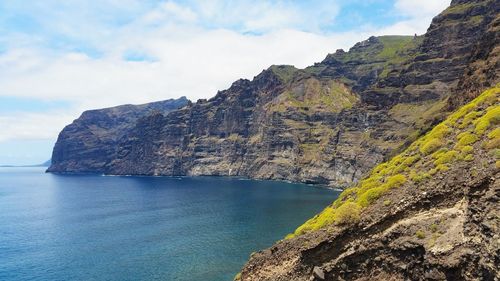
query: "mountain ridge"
325, 124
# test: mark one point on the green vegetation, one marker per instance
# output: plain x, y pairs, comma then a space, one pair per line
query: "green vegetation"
431, 146
436, 152
420, 234
476, 20
284, 72
384, 53
313, 95
466, 138
492, 117
466, 149
468, 118
446, 157
419, 177
458, 9
347, 212
469, 157
434, 227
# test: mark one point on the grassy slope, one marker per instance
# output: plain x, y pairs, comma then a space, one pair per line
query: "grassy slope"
474, 126
313, 94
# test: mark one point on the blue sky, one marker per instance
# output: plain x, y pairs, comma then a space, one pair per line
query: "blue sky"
58, 58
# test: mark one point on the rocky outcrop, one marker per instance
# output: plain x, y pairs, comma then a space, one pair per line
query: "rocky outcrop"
328, 123
483, 69
90, 142
430, 213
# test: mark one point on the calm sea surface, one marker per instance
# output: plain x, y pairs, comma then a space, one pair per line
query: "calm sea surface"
55, 227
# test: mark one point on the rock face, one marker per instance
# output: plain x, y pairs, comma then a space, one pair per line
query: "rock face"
430, 213
90, 142
328, 123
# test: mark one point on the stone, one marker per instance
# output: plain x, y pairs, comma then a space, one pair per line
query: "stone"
318, 273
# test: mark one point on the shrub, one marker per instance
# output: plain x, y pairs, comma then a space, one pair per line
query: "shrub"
346, 194
369, 183
469, 157
439, 168
430, 146
347, 213
387, 202
466, 149
492, 117
419, 177
420, 234
497, 164
461, 112
493, 143
494, 134
411, 160
324, 218
442, 167
466, 138
468, 118
440, 152
379, 168
434, 227
405, 163
367, 198
446, 157
496, 153
439, 131
396, 181
432, 172
494, 137
372, 189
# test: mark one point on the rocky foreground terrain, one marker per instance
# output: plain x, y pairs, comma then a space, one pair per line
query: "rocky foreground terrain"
329, 123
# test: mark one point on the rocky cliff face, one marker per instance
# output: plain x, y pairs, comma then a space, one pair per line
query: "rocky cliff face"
90, 142
430, 213
329, 123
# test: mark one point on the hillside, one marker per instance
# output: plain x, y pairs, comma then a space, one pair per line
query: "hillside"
429, 213
328, 124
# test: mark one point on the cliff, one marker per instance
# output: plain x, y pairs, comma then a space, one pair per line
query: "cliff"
430, 213
89, 143
329, 123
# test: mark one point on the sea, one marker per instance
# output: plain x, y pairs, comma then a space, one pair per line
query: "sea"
94, 227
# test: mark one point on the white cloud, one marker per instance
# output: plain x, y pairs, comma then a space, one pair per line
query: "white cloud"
195, 64
29, 126
421, 8
185, 57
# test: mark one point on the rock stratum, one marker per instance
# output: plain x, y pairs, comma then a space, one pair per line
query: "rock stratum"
92, 141
329, 123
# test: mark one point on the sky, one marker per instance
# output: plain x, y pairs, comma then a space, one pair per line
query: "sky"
59, 58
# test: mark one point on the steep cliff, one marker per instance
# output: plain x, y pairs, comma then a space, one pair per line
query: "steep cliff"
328, 123
90, 142
430, 213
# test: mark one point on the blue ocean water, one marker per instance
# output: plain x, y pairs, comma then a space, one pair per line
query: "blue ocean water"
89, 227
